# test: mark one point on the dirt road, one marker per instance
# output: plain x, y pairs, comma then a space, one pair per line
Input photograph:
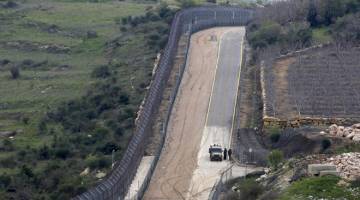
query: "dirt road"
174, 175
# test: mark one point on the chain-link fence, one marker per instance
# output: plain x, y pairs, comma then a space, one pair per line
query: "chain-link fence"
220, 186
116, 184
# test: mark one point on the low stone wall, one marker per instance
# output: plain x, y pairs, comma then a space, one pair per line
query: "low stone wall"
305, 121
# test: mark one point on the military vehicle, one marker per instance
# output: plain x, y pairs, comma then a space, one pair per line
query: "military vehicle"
216, 152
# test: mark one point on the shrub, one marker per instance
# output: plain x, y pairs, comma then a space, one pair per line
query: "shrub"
97, 162
25, 120
42, 127
355, 183
267, 34
5, 180
44, 153
325, 143
108, 148
250, 189
275, 137
275, 158
8, 145
101, 72
8, 162
62, 153
27, 171
15, 72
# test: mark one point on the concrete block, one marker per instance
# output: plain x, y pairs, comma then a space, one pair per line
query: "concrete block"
329, 172
315, 169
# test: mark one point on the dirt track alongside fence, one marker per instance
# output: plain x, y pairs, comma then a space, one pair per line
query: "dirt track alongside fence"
172, 176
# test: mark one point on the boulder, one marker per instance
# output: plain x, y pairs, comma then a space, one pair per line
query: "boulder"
356, 131
100, 174
347, 131
315, 169
356, 138
356, 126
350, 136
340, 131
85, 172
333, 129
7, 133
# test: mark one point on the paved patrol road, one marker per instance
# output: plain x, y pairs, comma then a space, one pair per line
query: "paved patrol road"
202, 115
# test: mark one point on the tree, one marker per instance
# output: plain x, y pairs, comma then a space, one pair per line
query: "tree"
331, 10
42, 127
8, 145
27, 171
15, 72
44, 153
101, 72
312, 14
275, 158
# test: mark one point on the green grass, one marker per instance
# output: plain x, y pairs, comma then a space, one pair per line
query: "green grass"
82, 16
354, 147
37, 90
321, 35
318, 188
40, 90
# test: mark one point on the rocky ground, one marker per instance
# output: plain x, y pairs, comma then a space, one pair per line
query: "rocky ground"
350, 132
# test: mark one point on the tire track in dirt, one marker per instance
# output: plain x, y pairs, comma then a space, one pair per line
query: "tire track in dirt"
173, 173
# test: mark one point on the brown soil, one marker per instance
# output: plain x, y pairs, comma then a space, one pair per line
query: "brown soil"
174, 170
155, 139
283, 107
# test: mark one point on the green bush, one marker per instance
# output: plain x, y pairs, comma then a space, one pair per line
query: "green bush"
7, 145
5, 180
62, 153
275, 137
97, 162
15, 72
275, 158
101, 72
268, 33
27, 171
250, 189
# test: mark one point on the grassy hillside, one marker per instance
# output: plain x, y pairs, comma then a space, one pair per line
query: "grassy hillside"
72, 75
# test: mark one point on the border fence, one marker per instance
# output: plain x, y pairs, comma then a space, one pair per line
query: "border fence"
189, 21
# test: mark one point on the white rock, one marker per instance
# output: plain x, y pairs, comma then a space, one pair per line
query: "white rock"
356, 126
267, 170
100, 174
85, 172
347, 131
340, 131
333, 129
356, 131
356, 138
264, 176
322, 133
350, 136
